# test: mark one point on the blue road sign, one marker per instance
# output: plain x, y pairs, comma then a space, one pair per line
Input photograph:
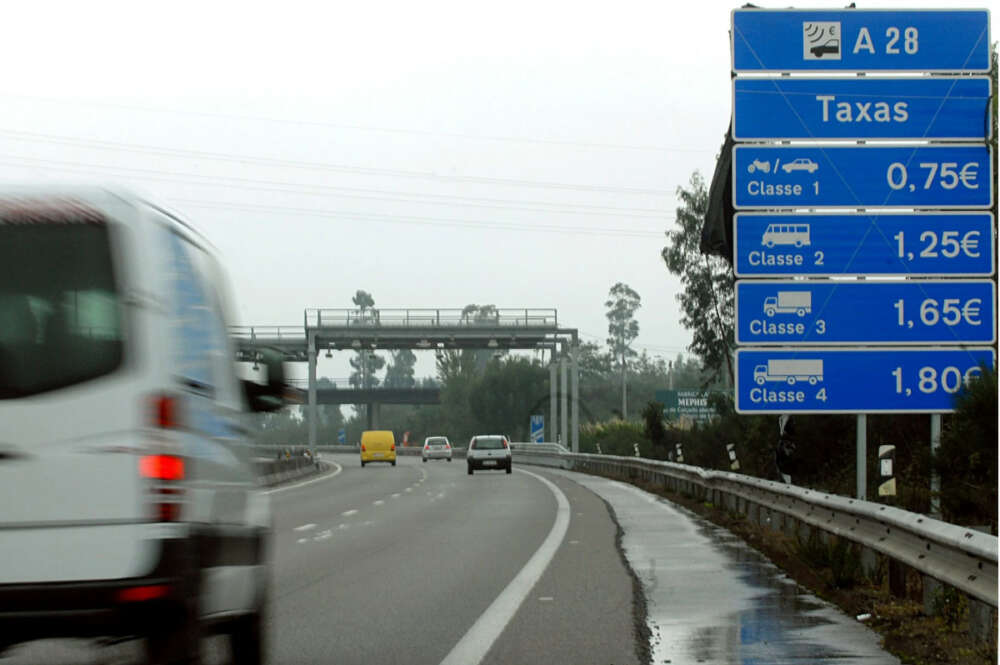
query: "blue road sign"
952, 176
788, 40
864, 312
854, 380
861, 108
915, 244
341, 436
537, 428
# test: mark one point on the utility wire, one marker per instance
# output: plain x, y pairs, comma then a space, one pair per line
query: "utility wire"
317, 166
279, 186
366, 128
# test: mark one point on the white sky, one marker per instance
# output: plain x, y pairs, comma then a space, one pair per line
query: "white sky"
411, 149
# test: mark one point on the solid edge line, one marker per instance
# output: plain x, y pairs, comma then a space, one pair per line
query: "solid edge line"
325, 476
476, 643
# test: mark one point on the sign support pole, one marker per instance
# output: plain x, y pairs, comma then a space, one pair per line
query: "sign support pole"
862, 457
935, 478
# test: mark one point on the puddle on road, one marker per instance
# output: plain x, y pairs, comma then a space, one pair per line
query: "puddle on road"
711, 598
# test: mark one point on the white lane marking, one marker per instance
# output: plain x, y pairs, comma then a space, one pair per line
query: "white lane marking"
325, 476
474, 645
323, 535
409, 489
574, 542
305, 527
348, 513
545, 599
378, 502
343, 526
302, 540
395, 496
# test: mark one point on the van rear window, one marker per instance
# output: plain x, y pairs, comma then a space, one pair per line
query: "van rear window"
59, 308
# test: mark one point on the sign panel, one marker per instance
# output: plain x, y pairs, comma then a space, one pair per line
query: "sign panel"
860, 40
692, 404
952, 176
864, 312
854, 380
861, 108
918, 245
537, 428
341, 436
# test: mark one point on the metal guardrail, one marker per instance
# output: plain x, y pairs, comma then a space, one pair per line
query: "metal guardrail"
957, 556
430, 318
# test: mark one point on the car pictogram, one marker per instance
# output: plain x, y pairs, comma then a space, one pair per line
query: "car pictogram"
800, 164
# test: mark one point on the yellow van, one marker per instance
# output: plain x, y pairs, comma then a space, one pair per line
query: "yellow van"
378, 446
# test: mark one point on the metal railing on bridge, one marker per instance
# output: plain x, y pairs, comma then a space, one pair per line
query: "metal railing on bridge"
431, 318
295, 334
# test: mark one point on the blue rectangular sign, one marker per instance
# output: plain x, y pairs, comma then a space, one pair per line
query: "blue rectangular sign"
537, 428
947, 176
787, 40
917, 244
864, 312
861, 108
854, 380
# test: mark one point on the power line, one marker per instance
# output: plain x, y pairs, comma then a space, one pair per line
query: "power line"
370, 128
415, 220
332, 190
315, 166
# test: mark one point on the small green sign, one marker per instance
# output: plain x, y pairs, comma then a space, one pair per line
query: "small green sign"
691, 404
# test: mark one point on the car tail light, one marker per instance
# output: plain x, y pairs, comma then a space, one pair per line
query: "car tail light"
427, 446
504, 441
472, 444
447, 446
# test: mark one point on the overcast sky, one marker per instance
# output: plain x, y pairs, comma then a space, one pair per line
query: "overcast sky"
435, 154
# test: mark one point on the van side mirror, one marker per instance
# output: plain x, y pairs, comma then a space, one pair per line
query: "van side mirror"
269, 396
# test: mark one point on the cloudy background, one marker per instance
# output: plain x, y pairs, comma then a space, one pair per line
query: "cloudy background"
435, 154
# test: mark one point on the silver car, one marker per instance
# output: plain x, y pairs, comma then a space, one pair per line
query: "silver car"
488, 452
436, 447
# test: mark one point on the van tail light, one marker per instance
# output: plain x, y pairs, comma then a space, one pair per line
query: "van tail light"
165, 412
138, 594
392, 447
164, 472
161, 467
363, 447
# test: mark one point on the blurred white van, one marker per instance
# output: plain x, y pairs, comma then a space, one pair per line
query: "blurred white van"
128, 504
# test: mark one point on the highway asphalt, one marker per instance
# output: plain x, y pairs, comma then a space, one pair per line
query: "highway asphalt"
422, 563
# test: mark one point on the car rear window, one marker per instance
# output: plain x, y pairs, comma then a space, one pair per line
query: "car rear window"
59, 306
437, 441
488, 442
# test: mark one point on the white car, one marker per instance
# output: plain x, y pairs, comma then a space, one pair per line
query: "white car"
436, 447
488, 452
128, 503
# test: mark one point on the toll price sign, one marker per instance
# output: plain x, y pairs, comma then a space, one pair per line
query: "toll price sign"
861, 108
864, 312
855, 380
918, 244
952, 176
860, 40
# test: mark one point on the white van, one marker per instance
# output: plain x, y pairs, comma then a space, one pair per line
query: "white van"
128, 504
